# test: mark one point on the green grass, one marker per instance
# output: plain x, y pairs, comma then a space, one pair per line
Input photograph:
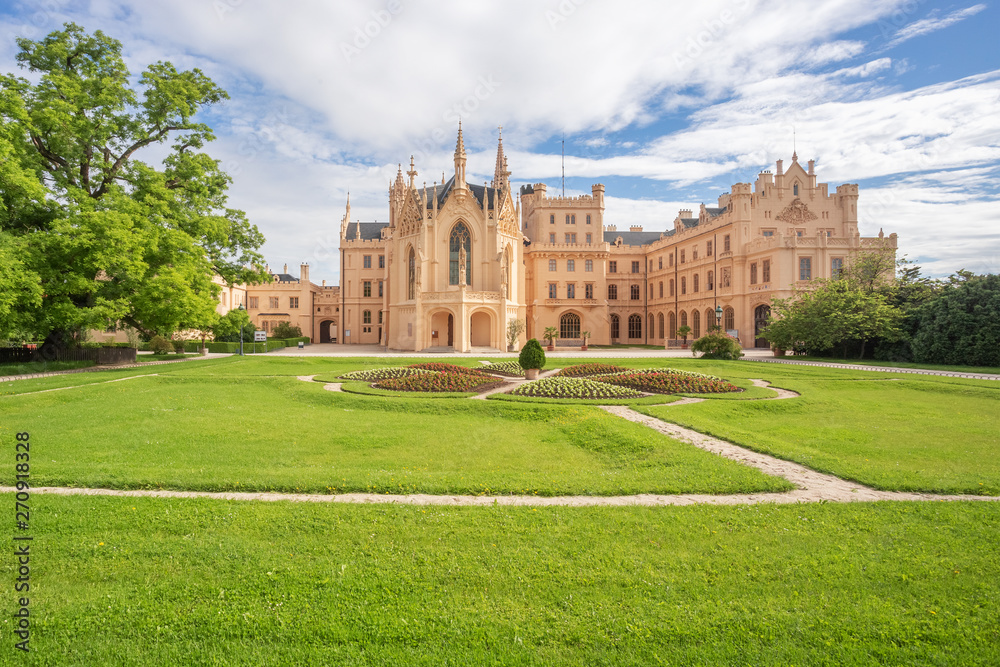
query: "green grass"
891, 431
31, 367
230, 426
900, 364
141, 581
145, 358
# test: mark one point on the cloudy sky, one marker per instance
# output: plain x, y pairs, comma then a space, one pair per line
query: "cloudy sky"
667, 105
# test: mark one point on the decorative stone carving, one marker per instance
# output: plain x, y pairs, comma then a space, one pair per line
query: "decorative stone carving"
796, 213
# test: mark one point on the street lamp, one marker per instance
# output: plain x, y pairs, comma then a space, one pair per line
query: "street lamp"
718, 317
241, 330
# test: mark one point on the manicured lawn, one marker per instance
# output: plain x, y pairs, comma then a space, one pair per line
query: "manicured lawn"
890, 431
30, 367
140, 581
214, 428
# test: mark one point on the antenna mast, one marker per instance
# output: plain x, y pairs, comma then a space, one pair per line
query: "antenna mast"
564, 166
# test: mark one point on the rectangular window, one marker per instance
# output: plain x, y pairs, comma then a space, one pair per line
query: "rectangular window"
590, 238
552, 265
708, 251
671, 287
661, 289
683, 258
381, 261
567, 218
612, 292
571, 238
635, 293
293, 302
765, 271
799, 233
571, 265
572, 219
635, 267
671, 259
836, 266
368, 262
552, 239
684, 285
710, 281
660, 262
694, 283
380, 288
725, 243
588, 265
588, 291
272, 302
380, 317
612, 267
805, 268
694, 254
254, 302
367, 288
768, 232
571, 291
552, 219
753, 273
552, 290
588, 218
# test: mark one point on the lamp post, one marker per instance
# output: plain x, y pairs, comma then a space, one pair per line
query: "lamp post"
718, 317
241, 331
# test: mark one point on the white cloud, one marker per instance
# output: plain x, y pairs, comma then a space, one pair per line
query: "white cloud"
933, 24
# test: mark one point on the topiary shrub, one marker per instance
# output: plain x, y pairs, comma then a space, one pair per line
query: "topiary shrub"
178, 346
286, 330
717, 345
160, 345
532, 355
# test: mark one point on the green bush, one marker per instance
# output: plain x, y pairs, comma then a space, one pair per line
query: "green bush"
286, 330
717, 345
532, 355
178, 346
160, 345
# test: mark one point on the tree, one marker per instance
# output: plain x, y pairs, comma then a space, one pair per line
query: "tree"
831, 314
550, 334
532, 355
514, 330
229, 326
286, 330
959, 325
717, 345
103, 235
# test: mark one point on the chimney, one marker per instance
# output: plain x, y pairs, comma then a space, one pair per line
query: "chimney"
285, 270
635, 228
304, 273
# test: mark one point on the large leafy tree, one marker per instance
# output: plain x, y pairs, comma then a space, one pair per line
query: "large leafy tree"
97, 233
959, 324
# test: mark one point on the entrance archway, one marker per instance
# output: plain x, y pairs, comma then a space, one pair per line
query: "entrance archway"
442, 329
328, 331
479, 328
760, 315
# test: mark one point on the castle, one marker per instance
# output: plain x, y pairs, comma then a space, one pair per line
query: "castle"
457, 261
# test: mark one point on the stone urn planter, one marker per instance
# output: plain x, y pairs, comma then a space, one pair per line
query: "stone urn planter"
512, 348
778, 352
531, 373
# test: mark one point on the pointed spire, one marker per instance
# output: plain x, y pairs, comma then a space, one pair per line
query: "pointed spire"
412, 172
460, 160
460, 144
500, 172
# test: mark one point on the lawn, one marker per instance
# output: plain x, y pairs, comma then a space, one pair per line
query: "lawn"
140, 581
251, 425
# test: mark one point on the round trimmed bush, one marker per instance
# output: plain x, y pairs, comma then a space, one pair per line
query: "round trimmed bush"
717, 345
532, 356
160, 345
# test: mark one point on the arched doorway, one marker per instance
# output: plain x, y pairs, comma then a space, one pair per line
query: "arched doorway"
760, 315
442, 329
479, 328
328, 331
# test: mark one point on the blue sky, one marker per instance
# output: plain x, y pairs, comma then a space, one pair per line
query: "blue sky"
667, 106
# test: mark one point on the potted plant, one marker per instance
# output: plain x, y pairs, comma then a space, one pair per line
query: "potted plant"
586, 337
532, 359
514, 330
551, 333
683, 333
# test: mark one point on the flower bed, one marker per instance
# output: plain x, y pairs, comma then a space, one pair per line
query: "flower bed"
436, 382
580, 370
448, 368
508, 368
377, 374
669, 382
563, 387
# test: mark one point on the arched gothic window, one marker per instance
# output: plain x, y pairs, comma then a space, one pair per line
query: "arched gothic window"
729, 319
615, 327
659, 320
696, 324
411, 275
460, 239
505, 270
672, 325
635, 326
569, 326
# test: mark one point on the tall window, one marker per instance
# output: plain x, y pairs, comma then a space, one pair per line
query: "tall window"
795, 190
661, 289
635, 293
729, 319
368, 261
572, 219
588, 291
380, 288
366, 288
254, 302
708, 250
672, 324
552, 219
635, 326
615, 327
552, 265
552, 238
381, 261
411, 275
725, 243
671, 287
659, 321
671, 259
588, 265
710, 281
569, 326
753, 273
293, 302
571, 238
588, 218
635, 267
571, 291
567, 218
694, 253
612, 267
695, 283
460, 240
590, 237
765, 271
660, 261
366, 317
805, 268
683, 252
571, 265
836, 266
272, 302
505, 269
696, 324
552, 291
612, 292
684, 285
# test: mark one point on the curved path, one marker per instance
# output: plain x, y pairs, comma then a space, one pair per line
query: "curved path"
812, 486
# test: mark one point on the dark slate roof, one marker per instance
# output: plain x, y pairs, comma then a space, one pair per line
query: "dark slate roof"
632, 238
284, 277
370, 231
712, 212
689, 222
444, 190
